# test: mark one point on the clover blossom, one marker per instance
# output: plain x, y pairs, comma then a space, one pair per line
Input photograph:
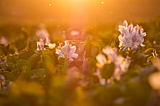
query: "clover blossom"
44, 39
131, 37
67, 51
121, 63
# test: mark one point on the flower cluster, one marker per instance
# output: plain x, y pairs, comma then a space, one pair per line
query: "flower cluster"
67, 51
131, 37
44, 39
121, 63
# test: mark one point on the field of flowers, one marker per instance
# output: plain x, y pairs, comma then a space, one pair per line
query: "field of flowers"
104, 65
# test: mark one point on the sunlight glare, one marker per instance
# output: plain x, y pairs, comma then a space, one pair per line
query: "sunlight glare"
102, 2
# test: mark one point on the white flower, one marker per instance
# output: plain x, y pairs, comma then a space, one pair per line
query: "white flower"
67, 51
52, 45
130, 37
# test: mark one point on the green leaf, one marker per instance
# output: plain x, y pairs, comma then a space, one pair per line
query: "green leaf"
23, 65
15, 72
12, 66
2, 53
97, 43
138, 55
25, 54
4, 50
33, 60
50, 69
32, 44
48, 53
8, 75
87, 41
39, 72
12, 58
94, 51
3, 65
48, 64
92, 62
107, 71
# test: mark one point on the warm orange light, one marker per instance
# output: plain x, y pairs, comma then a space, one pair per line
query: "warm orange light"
102, 2
154, 42
77, 13
50, 4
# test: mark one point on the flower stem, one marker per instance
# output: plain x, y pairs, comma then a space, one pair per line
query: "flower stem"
66, 61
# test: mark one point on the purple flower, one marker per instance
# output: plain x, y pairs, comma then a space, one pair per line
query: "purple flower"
67, 51
131, 37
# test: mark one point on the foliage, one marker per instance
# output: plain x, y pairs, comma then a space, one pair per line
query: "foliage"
35, 77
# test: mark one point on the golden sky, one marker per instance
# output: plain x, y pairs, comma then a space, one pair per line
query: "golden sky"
76, 12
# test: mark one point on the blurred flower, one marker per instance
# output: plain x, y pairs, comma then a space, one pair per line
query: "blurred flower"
102, 81
44, 39
75, 34
2, 82
67, 51
101, 60
111, 53
121, 63
4, 41
42, 33
1, 60
73, 73
40, 46
8, 87
121, 66
131, 37
154, 80
52, 45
